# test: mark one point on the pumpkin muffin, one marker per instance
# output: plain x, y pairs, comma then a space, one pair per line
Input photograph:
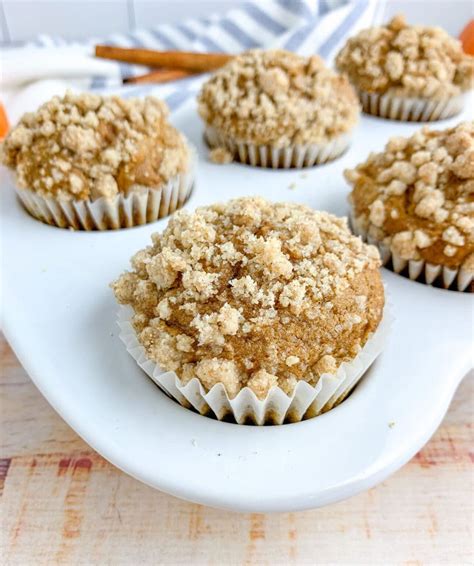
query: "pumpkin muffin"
277, 109
92, 162
407, 72
255, 295
415, 200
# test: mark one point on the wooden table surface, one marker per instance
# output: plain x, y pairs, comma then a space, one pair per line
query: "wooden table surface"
64, 504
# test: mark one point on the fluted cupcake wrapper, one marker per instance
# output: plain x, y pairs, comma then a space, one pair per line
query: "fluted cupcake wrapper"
410, 109
296, 156
417, 270
136, 209
306, 401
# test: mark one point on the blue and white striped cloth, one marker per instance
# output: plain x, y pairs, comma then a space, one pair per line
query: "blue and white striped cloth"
303, 26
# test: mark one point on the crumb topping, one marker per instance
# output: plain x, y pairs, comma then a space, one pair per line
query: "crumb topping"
85, 146
278, 98
252, 293
407, 60
220, 156
418, 196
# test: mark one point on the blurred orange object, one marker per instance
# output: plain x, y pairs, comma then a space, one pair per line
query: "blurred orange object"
467, 38
4, 126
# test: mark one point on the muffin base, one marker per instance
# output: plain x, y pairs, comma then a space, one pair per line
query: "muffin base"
122, 211
277, 408
297, 156
418, 270
410, 109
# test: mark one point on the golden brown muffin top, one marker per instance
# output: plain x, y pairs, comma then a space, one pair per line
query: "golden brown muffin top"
86, 146
278, 98
418, 196
404, 60
252, 293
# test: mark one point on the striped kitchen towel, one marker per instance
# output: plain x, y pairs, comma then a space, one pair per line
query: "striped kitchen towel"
302, 26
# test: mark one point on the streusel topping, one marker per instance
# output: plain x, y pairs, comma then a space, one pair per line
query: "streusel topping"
252, 293
276, 97
406, 60
418, 196
87, 146
220, 156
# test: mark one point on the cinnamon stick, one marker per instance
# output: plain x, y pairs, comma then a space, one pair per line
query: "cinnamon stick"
158, 76
185, 60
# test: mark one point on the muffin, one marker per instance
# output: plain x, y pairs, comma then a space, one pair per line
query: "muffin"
405, 72
277, 109
94, 163
257, 311
415, 201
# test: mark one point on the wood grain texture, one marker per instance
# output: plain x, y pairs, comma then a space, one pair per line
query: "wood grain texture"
64, 504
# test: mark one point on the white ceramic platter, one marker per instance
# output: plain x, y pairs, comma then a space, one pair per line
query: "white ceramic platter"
59, 316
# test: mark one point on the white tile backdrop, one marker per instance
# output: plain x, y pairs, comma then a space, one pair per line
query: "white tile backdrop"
22, 20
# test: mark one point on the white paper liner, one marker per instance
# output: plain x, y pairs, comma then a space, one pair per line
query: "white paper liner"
297, 156
306, 401
136, 209
410, 109
429, 273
